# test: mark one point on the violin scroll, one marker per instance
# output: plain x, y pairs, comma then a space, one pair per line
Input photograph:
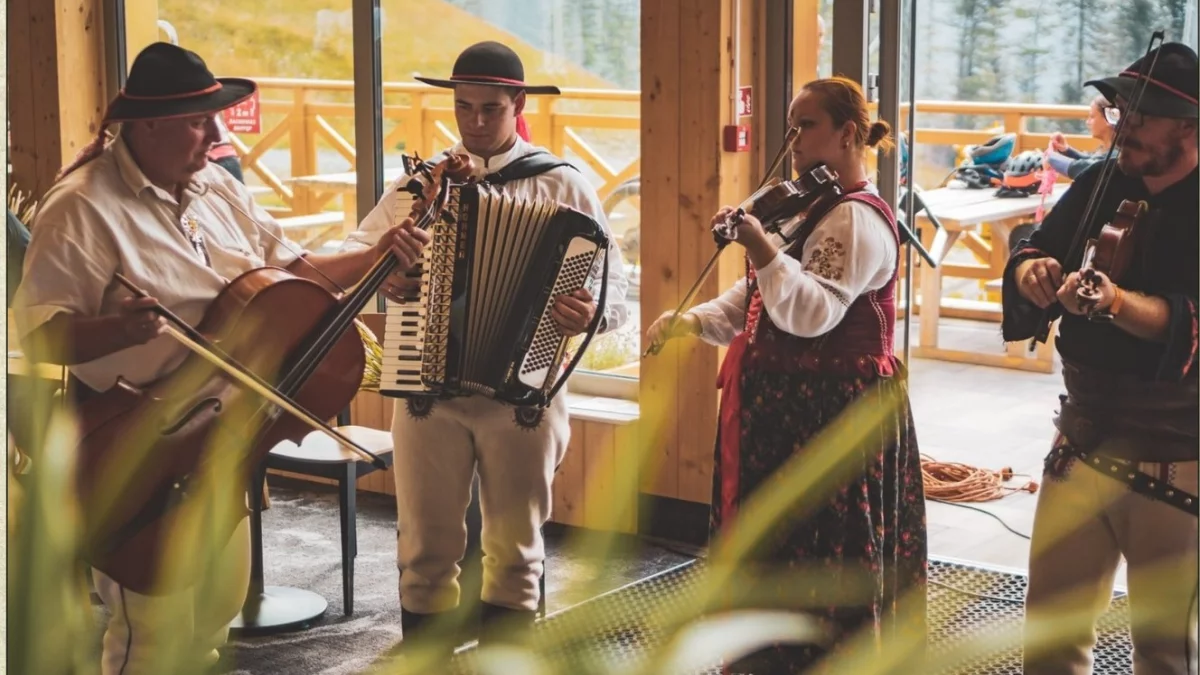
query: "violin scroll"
1110, 253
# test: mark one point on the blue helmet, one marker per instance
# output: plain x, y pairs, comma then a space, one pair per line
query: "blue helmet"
995, 152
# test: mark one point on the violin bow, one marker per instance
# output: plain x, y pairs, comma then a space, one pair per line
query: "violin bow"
656, 347
193, 340
1107, 170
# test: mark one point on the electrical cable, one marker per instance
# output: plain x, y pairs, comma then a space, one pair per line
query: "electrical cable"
956, 482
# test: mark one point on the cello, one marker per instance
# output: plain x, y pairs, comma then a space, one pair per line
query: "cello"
295, 364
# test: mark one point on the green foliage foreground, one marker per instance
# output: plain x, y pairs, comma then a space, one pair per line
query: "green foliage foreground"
52, 627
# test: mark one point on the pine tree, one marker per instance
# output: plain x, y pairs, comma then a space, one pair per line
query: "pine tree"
1175, 18
1136, 21
1031, 50
980, 56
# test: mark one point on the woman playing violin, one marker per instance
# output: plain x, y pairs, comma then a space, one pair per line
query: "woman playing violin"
810, 332
1121, 476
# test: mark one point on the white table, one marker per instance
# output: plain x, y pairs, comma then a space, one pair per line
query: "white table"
964, 212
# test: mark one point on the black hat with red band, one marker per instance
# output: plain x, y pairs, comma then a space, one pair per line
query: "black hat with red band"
491, 64
1170, 89
168, 81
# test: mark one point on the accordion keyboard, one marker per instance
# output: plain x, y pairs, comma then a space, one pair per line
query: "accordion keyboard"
405, 325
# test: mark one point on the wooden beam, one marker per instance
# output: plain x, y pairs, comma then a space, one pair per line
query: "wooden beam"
662, 45
56, 85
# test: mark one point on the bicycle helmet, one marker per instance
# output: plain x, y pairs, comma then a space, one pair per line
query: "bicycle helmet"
995, 152
1023, 175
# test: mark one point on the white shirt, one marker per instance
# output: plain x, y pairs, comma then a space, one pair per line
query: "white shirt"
106, 217
565, 185
851, 251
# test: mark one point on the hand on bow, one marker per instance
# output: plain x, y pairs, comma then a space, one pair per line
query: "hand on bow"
667, 327
139, 322
1039, 280
750, 234
573, 312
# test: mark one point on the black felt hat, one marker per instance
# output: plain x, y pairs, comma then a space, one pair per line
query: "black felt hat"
169, 81
1170, 89
492, 64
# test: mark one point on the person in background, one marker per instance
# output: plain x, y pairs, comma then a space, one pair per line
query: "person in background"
1068, 161
224, 155
1071, 162
18, 241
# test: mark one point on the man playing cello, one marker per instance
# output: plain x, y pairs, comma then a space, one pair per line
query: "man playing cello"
1120, 479
149, 206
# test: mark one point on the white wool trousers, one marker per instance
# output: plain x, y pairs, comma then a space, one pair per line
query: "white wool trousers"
439, 446
190, 624
1085, 522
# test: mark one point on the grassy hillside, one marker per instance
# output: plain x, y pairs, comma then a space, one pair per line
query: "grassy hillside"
275, 38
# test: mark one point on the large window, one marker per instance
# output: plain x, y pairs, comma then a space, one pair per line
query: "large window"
590, 49
300, 157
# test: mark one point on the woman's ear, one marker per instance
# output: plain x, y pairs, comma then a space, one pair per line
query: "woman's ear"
849, 130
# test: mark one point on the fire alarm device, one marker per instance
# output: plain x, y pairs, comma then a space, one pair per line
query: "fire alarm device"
737, 138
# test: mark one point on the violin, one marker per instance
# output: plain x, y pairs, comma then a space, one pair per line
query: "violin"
281, 344
777, 202
1110, 253
773, 204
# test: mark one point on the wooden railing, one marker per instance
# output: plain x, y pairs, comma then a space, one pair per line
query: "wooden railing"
300, 114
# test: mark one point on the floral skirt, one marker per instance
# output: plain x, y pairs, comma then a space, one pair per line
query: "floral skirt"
858, 559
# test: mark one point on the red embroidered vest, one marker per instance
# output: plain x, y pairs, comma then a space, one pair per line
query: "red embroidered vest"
862, 344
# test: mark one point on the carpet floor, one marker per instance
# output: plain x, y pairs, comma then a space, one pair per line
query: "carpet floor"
302, 549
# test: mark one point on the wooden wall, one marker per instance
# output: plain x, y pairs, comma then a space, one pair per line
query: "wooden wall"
56, 86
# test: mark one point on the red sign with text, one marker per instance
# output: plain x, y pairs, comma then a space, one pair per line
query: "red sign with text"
245, 117
745, 104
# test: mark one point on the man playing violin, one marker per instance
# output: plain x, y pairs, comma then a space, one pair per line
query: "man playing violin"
1121, 477
148, 205
440, 445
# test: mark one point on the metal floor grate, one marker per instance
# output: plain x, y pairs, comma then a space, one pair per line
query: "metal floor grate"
617, 637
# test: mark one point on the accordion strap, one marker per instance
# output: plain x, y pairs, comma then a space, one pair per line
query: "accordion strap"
527, 166
601, 305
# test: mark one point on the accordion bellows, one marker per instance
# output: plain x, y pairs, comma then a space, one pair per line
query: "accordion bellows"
481, 322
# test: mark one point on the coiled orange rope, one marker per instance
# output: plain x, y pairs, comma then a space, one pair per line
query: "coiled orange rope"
954, 482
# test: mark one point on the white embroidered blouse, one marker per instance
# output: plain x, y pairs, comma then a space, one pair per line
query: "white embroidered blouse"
850, 252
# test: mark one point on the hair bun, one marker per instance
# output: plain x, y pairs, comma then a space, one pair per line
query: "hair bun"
878, 132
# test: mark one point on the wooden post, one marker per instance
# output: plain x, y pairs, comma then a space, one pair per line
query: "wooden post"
687, 100
56, 79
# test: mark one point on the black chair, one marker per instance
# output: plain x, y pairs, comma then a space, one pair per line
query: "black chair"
319, 455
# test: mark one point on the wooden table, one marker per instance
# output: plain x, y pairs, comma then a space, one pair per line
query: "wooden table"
964, 212
345, 184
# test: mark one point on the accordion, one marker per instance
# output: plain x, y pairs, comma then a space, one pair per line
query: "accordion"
481, 322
